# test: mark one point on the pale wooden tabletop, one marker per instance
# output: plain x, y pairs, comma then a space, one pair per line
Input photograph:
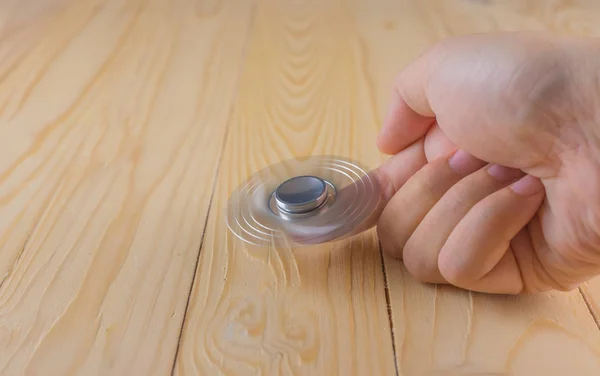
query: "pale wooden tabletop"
126, 124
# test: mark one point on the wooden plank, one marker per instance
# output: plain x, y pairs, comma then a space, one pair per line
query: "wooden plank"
112, 118
319, 310
591, 293
446, 331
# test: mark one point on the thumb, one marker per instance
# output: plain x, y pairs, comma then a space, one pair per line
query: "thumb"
409, 114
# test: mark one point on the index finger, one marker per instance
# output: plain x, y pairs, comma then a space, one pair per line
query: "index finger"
359, 205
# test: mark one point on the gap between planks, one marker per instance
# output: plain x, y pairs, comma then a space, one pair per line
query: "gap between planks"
388, 303
589, 307
215, 179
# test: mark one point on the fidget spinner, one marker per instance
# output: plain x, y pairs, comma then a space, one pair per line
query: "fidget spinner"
304, 201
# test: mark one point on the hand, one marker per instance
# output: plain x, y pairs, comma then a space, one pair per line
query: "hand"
494, 183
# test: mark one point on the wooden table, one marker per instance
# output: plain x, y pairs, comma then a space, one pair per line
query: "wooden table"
126, 124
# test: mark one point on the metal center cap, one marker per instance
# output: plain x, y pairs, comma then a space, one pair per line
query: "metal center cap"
301, 194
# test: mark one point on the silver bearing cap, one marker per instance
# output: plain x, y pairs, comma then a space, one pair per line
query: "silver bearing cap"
304, 201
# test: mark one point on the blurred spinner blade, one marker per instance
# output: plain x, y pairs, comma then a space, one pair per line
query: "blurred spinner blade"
304, 201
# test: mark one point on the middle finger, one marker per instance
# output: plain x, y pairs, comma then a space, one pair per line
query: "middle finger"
423, 247
418, 195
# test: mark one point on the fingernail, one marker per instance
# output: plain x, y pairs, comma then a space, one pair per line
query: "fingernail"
464, 163
527, 186
502, 173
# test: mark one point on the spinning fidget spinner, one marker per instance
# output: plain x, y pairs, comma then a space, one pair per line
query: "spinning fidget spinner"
304, 201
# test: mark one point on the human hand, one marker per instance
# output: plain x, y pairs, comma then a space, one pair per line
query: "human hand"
517, 208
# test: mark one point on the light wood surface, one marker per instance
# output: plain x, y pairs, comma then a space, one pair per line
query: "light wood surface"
124, 127
319, 310
113, 118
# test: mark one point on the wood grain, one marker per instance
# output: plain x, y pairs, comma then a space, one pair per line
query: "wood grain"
440, 330
245, 302
116, 117
446, 331
112, 117
312, 311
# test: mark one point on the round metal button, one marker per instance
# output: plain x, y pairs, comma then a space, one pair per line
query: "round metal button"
301, 194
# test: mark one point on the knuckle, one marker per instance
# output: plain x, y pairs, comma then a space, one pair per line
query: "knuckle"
425, 185
418, 265
430, 183
385, 182
454, 274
